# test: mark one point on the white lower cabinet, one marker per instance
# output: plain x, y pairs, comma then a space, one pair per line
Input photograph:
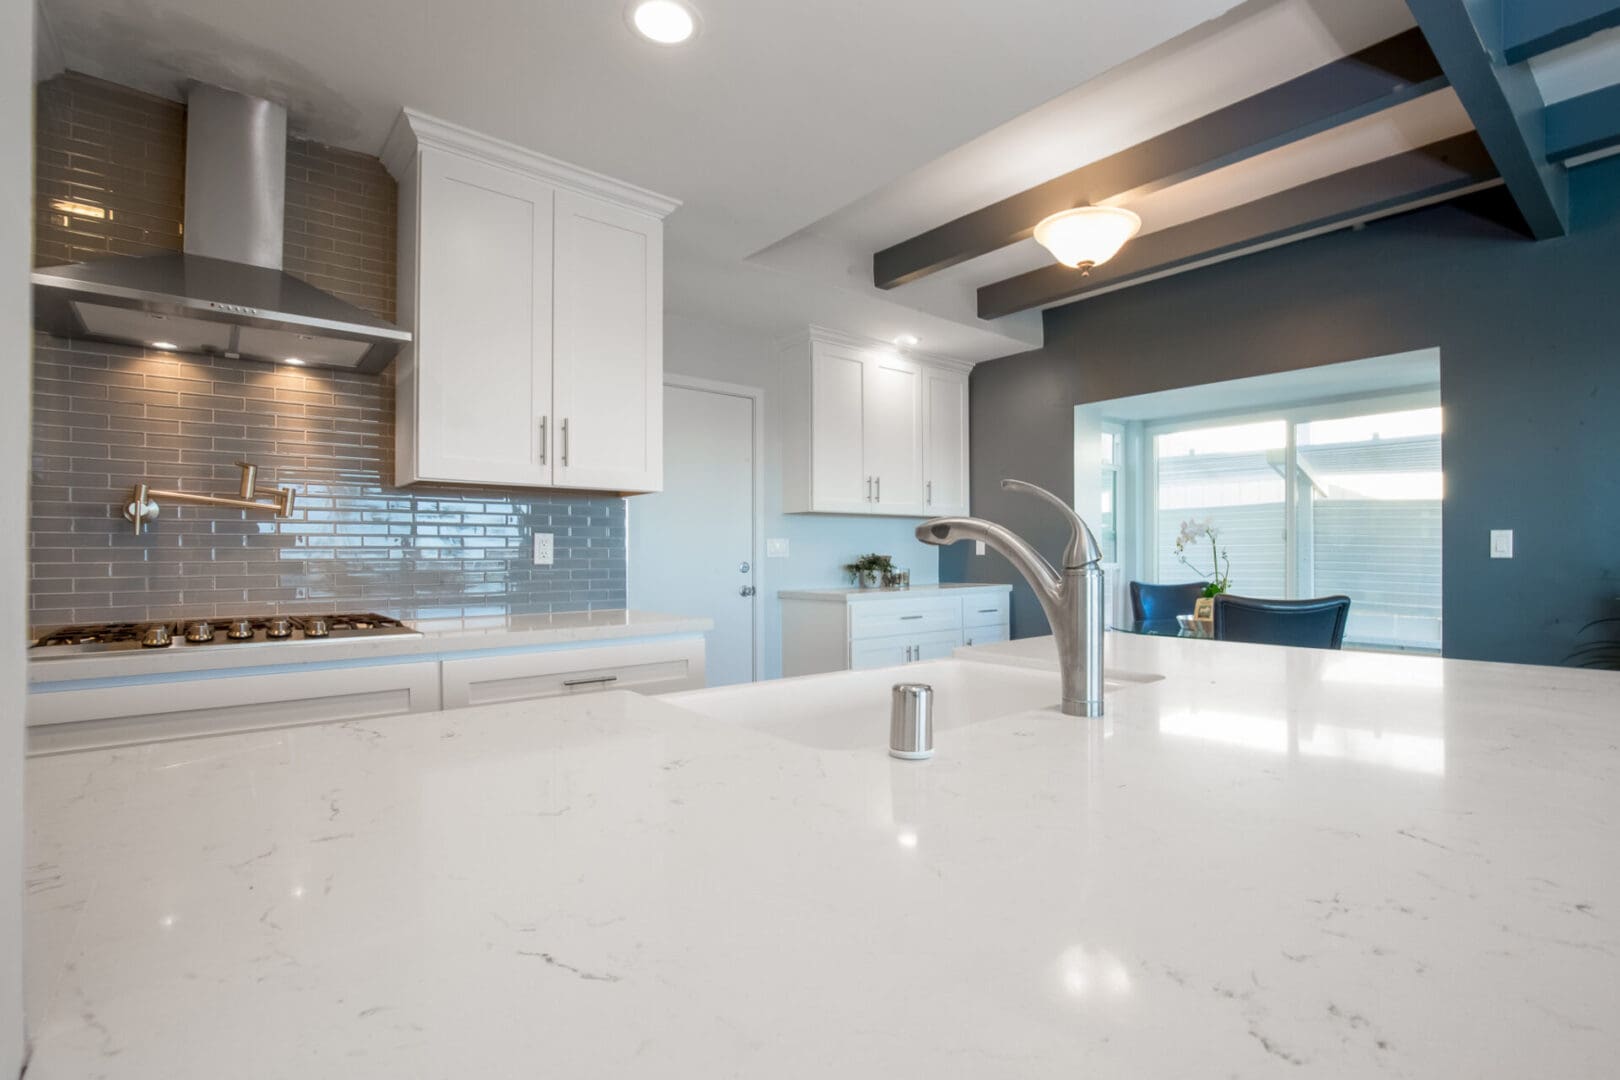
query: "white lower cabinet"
155, 710
854, 629
651, 668
143, 709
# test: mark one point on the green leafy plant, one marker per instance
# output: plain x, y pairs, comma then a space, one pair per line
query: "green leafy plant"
872, 567
1603, 652
1219, 575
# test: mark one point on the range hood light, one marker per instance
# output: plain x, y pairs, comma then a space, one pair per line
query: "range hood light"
294, 361
166, 346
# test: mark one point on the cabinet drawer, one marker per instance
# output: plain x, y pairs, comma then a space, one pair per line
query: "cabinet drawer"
159, 710
658, 667
987, 609
903, 649
885, 618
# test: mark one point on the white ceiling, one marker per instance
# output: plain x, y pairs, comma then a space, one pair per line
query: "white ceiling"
778, 114
800, 136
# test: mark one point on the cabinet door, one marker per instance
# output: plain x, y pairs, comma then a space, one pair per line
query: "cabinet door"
893, 428
945, 442
936, 646
839, 479
609, 347
483, 323
879, 653
984, 635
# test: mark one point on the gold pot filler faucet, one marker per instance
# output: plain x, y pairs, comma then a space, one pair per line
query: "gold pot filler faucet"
143, 507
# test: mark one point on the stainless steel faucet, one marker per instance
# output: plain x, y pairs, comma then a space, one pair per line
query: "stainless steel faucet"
1072, 599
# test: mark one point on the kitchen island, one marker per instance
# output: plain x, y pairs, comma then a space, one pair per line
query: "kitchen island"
1268, 862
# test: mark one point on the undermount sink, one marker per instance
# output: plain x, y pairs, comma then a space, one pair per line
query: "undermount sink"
849, 710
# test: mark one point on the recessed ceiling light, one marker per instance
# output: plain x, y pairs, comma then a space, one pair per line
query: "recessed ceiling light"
663, 22
295, 361
906, 341
167, 345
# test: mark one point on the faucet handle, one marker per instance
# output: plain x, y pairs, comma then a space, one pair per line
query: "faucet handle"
1083, 549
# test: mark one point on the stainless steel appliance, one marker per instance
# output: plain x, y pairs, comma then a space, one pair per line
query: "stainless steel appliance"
231, 633
225, 294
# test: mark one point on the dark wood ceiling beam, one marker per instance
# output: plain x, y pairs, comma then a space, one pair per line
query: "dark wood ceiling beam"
1441, 170
1532, 27
1583, 125
1378, 77
1503, 101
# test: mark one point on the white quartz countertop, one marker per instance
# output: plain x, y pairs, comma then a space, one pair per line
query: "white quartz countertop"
1270, 862
842, 595
438, 636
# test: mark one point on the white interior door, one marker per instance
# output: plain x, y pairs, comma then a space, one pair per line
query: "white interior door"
692, 544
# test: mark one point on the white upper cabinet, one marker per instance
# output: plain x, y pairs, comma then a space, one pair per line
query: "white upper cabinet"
608, 345
535, 293
481, 358
945, 442
893, 423
859, 428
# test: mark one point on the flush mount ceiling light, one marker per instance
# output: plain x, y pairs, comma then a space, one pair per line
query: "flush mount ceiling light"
1087, 236
663, 22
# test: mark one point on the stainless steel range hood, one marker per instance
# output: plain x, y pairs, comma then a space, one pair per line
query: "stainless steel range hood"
226, 294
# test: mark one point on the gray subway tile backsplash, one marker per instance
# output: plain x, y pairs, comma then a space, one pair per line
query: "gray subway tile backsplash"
107, 418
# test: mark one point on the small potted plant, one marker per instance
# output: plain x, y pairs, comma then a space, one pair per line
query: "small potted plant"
1218, 578
867, 570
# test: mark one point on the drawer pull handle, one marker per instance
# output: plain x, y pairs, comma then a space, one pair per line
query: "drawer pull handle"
989, 610
905, 618
591, 682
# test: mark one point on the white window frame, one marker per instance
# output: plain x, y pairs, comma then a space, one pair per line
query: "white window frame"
1142, 474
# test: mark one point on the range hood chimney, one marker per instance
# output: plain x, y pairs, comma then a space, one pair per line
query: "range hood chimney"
225, 294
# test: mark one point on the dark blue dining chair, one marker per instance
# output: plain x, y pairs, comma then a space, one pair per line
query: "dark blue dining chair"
1162, 603
1309, 624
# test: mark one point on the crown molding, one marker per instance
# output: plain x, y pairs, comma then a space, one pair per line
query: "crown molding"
826, 335
414, 130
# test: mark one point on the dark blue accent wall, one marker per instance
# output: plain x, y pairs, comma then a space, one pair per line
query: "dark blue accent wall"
1529, 339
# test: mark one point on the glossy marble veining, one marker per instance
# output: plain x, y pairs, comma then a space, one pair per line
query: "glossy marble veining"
1271, 862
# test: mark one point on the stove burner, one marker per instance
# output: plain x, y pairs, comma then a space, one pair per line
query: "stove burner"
238, 631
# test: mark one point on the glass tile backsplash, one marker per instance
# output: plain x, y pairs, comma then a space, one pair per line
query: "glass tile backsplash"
106, 418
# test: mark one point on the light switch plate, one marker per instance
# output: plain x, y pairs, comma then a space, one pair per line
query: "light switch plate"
1501, 543
776, 548
543, 549
978, 547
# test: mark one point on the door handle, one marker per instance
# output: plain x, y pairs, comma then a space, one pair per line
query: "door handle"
565, 441
542, 440
929, 496
879, 490
868, 489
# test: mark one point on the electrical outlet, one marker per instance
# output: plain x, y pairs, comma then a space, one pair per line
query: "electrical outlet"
1501, 543
978, 547
542, 549
776, 549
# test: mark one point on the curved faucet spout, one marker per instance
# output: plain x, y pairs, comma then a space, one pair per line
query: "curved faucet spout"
1025, 559
1072, 598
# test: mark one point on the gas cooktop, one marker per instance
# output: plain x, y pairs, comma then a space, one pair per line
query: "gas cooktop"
231, 632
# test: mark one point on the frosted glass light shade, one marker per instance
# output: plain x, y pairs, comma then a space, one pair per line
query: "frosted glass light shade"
1087, 235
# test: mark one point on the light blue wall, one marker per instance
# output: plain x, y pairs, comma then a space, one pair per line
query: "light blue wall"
819, 545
